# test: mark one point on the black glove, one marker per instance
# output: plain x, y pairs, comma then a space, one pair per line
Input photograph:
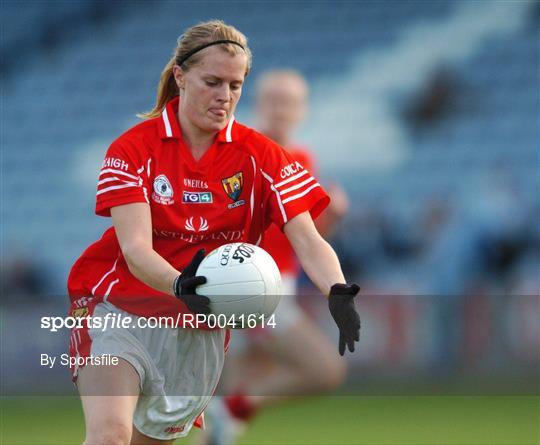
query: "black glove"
184, 286
341, 304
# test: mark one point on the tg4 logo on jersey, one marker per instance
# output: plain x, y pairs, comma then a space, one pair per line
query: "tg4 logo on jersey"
197, 197
163, 191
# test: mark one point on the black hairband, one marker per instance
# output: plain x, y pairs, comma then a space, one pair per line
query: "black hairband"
179, 62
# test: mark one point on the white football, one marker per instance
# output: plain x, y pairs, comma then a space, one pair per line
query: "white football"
242, 279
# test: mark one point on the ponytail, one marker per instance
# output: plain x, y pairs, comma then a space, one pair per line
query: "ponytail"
167, 89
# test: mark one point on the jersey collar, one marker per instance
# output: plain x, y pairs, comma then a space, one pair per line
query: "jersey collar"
170, 128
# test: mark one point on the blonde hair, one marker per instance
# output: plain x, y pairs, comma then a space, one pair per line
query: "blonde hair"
194, 37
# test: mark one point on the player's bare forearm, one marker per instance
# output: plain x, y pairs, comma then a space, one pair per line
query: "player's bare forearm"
133, 227
150, 267
316, 256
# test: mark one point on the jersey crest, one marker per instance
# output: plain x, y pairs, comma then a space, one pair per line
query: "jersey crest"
163, 192
233, 185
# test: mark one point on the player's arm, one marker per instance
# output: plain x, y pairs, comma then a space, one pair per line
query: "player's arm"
316, 256
321, 264
133, 227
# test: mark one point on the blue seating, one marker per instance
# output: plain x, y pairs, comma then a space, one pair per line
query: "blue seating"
88, 89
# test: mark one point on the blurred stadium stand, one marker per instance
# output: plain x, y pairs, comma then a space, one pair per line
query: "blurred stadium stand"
76, 73
86, 87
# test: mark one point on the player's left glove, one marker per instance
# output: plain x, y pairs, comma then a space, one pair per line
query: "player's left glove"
341, 304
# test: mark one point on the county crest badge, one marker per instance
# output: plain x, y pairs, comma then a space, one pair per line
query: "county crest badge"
233, 187
163, 191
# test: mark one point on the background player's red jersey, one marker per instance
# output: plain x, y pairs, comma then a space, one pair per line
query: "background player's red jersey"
241, 184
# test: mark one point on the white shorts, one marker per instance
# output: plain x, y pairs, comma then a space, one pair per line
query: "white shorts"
178, 369
288, 312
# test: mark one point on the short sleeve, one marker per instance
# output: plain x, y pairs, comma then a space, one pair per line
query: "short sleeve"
304, 156
122, 179
291, 188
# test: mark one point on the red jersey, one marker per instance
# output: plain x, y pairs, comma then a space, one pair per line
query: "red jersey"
275, 242
243, 182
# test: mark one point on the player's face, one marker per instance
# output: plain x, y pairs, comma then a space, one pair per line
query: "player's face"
282, 105
210, 90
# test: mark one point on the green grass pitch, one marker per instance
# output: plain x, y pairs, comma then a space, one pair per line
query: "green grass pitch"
319, 420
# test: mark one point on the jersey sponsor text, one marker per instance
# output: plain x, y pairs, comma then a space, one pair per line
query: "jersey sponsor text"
291, 169
191, 238
115, 163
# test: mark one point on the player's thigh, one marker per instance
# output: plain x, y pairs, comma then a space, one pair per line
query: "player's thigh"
109, 396
138, 438
305, 347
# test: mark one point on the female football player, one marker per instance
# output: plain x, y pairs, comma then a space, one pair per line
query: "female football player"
295, 357
187, 178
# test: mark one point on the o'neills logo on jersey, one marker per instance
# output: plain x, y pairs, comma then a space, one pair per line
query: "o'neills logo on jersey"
163, 192
115, 163
195, 183
291, 169
233, 187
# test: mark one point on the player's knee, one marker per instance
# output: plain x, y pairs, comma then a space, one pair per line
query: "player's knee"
331, 374
323, 371
111, 433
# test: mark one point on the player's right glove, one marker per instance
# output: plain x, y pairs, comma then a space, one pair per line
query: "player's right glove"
185, 284
341, 304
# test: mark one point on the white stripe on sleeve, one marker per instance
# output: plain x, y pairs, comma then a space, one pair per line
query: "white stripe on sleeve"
118, 172
114, 178
292, 178
297, 186
299, 195
116, 187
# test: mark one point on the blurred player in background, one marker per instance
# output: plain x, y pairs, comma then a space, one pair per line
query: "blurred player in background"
145, 265
296, 357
